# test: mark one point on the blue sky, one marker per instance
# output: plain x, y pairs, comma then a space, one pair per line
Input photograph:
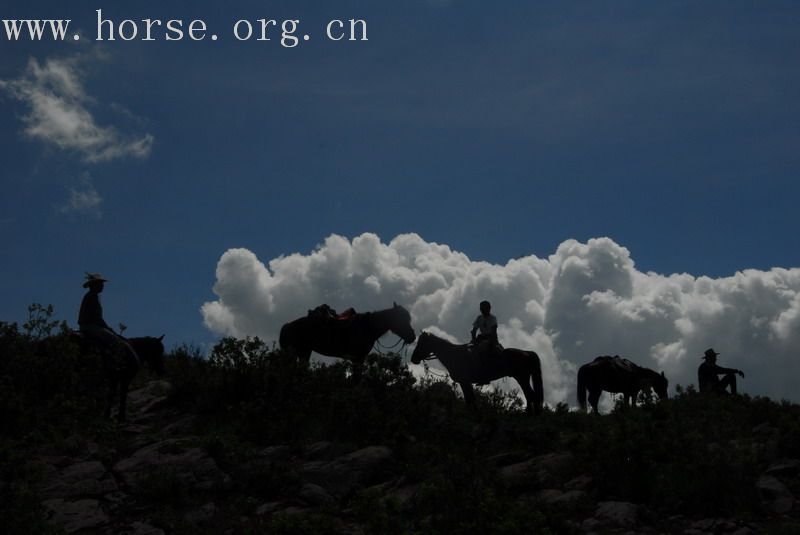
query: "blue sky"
501, 131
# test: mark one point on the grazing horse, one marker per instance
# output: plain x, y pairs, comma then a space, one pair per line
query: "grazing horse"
351, 338
120, 372
466, 367
617, 375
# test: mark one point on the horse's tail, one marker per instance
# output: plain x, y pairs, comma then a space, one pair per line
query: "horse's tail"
536, 383
582, 387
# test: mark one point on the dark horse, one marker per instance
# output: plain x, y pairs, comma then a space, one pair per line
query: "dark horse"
466, 367
617, 375
351, 338
120, 372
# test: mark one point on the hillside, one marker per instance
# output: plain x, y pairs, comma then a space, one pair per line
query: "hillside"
246, 441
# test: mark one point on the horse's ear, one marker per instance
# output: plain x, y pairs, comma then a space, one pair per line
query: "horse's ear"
662, 375
394, 304
161, 337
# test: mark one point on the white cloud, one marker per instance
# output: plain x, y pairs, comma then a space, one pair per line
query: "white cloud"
83, 199
58, 112
586, 299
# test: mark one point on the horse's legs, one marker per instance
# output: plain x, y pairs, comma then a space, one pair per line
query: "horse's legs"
357, 368
594, 397
530, 398
304, 357
469, 395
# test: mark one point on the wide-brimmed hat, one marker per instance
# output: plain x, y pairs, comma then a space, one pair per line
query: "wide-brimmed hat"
92, 278
710, 353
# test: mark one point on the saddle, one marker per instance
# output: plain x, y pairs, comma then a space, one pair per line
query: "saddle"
325, 316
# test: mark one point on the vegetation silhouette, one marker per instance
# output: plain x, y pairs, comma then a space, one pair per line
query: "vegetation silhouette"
467, 366
352, 338
617, 375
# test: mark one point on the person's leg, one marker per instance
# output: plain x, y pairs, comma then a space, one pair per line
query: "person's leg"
728, 380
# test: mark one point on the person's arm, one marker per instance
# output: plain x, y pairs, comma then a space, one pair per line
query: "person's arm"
720, 369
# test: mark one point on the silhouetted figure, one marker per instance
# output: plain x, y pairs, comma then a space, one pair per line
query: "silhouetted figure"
467, 368
115, 350
617, 375
486, 342
708, 375
351, 338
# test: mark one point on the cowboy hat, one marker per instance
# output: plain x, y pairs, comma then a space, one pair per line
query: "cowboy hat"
710, 353
92, 278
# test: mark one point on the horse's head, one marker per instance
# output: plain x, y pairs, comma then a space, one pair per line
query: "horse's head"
422, 351
400, 324
151, 350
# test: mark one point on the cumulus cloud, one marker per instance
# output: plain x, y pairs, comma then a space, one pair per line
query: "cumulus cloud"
59, 112
584, 300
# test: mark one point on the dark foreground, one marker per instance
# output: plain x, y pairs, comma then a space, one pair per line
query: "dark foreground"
249, 442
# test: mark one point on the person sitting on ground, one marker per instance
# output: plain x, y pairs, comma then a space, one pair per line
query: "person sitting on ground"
486, 342
95, 329
708, 375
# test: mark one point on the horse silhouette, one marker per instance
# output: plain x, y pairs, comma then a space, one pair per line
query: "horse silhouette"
351, 338
467, 367
617, 375
120, 372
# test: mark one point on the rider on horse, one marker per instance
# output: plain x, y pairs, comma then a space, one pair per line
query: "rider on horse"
708, 375
486, 342
96, 330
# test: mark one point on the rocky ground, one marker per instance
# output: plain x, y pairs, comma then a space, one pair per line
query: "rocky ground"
158, 475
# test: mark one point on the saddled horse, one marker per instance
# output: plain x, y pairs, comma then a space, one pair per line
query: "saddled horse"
351, 338
466, 367
120, 372
617, 375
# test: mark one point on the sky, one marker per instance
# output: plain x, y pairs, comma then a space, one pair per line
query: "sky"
616, 177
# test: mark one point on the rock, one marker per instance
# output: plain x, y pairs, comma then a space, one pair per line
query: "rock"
315, 495
268, 508
545, 470
785, 467
276, 453
766, 431
141, 528
201, 515
774, 494
192, 466
583, 482
150, 397
87, 479
504, 459
184, 426
590, 524
569, 500
706, 524
622, 514
75, 515
343, 474
401, 497
318, 450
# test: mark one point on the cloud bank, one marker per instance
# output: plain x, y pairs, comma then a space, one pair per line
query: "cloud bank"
58, 113
584, 300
